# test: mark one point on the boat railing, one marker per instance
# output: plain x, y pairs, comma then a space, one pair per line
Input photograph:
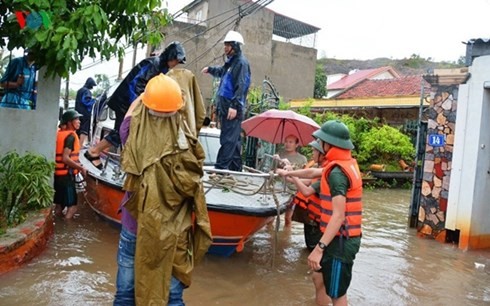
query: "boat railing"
117, 173
245, 183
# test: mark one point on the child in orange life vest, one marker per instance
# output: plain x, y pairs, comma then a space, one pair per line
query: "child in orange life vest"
308, 197
67, 164
341, 217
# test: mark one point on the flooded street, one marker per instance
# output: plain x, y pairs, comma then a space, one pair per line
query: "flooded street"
393, 267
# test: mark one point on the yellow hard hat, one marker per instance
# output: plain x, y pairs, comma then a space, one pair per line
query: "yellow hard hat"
162, 94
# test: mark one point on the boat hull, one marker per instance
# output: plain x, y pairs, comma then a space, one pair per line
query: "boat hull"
231, 227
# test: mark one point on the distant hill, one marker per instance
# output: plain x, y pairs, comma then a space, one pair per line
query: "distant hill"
414, 65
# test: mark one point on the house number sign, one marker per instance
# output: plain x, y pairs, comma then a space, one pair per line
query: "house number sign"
436, 140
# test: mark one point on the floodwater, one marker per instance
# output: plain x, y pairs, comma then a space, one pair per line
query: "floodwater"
393, 267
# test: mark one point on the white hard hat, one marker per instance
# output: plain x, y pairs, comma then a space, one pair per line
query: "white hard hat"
234, 36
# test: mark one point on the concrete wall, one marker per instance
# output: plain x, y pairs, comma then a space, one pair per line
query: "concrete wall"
291, 68
33, 131
468, 202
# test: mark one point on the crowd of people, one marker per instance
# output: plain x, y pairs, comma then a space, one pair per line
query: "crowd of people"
165, 227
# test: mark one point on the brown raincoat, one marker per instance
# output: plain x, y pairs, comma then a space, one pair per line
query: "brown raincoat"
163, 161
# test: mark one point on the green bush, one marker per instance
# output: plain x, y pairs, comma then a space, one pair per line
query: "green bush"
384, 145
24, 186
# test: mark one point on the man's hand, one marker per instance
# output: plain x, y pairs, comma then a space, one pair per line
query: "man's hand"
204, 70
231, 113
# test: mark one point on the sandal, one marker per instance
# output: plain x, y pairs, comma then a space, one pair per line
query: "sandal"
91, 158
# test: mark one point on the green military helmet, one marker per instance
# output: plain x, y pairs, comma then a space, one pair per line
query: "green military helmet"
316, 145
335, 133
70, 115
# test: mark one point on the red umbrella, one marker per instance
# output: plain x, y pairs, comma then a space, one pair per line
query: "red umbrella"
275, 125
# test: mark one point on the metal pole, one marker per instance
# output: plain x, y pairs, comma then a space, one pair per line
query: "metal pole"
121, 65
418, 173
135, 49
67, 93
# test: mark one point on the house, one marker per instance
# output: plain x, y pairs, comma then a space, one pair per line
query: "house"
345, 82
278, 47
395, 99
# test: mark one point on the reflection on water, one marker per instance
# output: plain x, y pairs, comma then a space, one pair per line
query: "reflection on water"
393, 267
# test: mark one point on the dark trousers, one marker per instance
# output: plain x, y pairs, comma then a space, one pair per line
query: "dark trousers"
229, 154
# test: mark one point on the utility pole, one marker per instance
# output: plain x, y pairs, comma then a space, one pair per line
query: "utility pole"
67, 92
121, 65
135, 49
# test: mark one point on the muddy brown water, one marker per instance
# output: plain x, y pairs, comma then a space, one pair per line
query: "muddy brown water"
393, 267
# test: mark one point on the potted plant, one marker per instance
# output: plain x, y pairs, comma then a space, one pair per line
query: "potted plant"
25, 185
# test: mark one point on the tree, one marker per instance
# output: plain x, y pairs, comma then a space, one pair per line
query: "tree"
72, 30
320, 89
103, 83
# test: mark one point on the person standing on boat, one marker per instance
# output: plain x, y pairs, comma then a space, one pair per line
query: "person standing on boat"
130, 88
83, 105
231, 101
341, 217
165, 226
67, 164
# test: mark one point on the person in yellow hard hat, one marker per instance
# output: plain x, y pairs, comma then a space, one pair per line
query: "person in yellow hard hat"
165, 224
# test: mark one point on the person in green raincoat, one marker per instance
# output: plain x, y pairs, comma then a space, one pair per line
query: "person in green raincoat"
163, 161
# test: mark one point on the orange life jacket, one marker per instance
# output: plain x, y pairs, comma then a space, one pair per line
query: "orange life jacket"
300, 199
351, 226
61, 168
311, 203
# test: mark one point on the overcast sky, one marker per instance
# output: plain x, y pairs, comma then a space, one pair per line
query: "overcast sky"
368, 29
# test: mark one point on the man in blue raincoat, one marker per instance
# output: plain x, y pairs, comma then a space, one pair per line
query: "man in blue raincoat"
231, 101
83, 105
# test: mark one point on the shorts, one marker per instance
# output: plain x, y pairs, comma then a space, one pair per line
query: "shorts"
312, 233
84, 126
65, 193
337, 261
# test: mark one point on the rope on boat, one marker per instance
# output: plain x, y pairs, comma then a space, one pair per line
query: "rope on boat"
278, 215
230, 182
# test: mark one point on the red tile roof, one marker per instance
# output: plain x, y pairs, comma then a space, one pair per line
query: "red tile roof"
359, 76
403, 86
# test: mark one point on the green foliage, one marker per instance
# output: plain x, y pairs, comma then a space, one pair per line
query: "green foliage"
374, 142
254, 99
264, 98
82, 28
103, 83
384, 144
24, 186
415, 61
305, 109
320, 89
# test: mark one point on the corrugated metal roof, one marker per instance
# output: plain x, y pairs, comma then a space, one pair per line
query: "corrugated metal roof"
284, 26
476, 47
291, 28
